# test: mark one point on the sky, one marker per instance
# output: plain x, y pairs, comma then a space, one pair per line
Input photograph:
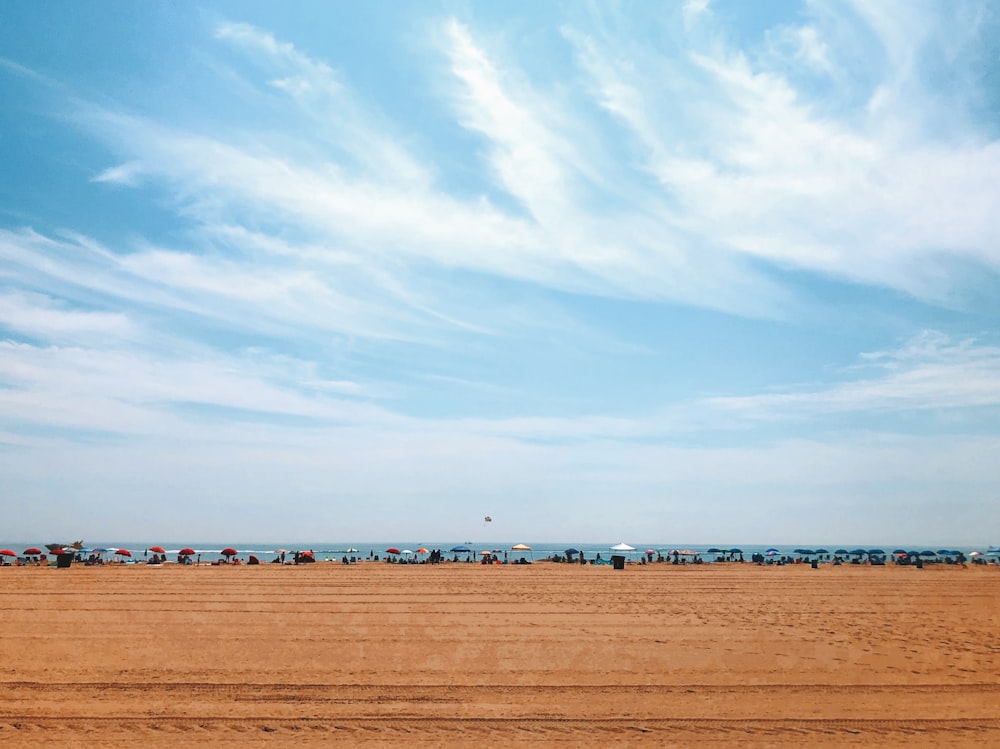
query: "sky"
696, 272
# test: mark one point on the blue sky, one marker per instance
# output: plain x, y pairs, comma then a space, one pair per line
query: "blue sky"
702, 272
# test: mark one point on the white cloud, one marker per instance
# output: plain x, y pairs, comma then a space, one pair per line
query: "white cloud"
931, 373
128, 175
694, 10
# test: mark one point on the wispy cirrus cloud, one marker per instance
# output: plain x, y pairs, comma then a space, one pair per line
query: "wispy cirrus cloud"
929, 373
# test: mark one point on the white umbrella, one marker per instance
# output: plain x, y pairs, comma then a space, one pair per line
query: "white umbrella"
622, 547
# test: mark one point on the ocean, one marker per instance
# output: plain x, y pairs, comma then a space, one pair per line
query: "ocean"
369, 550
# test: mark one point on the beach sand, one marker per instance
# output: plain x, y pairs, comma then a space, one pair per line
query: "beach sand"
461, 654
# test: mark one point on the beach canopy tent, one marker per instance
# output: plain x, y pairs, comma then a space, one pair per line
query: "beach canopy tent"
622, 547
523, 547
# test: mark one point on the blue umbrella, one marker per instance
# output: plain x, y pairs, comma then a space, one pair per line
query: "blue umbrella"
571, 550
713, 550
841, 551
772, 550
875, 551
461, 548
859, 551
945, 552
927, 553
822, 551
736, 551
899, 551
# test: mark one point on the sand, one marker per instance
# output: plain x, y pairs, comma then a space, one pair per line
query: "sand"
460, 655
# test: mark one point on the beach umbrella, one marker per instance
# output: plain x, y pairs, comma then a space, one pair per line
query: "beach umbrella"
821, 551
971, 554
622, 547
875, 551
859, 551
421, 550
570, 551
520, 547
392, 550
158, 549
406, 551
736, 551
714, 550
123, 552
229, 551
897, 552
485, 553
32, 551
772, 550
7, 553
841, 551
928, 553
186, 551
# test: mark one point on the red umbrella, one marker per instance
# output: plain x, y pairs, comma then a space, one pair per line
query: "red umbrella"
7, 553
392, 550
229, 551
158, 549
186, 551
123, 552
32, 551
60, 552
